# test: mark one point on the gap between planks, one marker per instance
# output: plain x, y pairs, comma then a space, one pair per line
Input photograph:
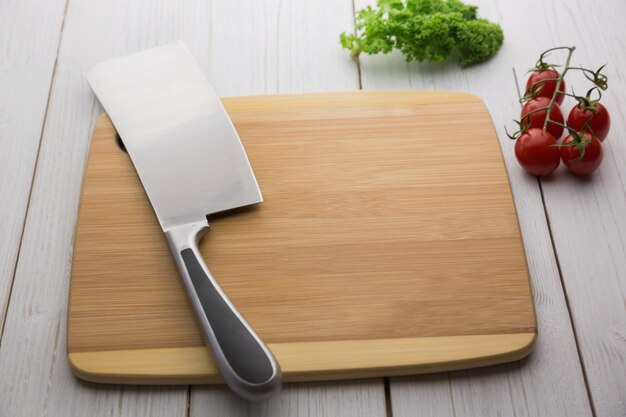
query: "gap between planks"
567, 304
32, 180
560, 272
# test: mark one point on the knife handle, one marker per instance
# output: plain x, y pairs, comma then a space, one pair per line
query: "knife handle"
245, 362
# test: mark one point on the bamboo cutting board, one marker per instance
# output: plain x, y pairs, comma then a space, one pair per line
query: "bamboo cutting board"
387, 244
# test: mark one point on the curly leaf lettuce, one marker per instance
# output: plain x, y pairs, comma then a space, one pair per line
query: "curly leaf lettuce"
425, 30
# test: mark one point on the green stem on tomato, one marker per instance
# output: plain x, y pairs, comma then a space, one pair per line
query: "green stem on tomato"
556, 48
530, 91
533, 85
582, 69
558, 85
540, 63
527, 116
558, 124
535, 111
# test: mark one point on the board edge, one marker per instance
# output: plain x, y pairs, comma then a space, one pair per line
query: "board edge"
308, 361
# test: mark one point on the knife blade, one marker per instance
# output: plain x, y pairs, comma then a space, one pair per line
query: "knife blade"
191, 164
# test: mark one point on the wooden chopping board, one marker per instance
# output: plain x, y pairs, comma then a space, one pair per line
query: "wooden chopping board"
387, 244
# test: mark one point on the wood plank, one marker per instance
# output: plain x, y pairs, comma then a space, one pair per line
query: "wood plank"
35, 378
534, 386
300, 399
279, 47
26, 69
586, 215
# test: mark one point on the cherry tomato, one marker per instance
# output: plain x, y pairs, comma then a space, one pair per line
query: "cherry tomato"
537, 119
600, 122
590, 162
535, 154
548, 86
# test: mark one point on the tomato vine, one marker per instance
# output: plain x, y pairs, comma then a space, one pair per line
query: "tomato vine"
597, 78
538, 148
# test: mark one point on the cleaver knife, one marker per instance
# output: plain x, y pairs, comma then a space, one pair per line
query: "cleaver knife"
192, 164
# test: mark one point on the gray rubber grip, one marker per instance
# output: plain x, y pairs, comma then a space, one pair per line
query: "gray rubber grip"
243, 353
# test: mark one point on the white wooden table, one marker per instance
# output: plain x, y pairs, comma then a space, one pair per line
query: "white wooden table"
574, 229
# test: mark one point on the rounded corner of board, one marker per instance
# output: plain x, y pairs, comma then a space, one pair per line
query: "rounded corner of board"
473, 98
512, 347
80, 368
103, 119
84, 368
156, 366
103, 126
526, 345
477, 351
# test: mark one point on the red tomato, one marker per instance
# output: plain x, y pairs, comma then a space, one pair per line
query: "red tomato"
600, 122
537, 119
590, 162
535, 154
548, 86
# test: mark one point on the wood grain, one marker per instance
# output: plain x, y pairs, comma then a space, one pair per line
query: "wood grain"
535, 386
365, 235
